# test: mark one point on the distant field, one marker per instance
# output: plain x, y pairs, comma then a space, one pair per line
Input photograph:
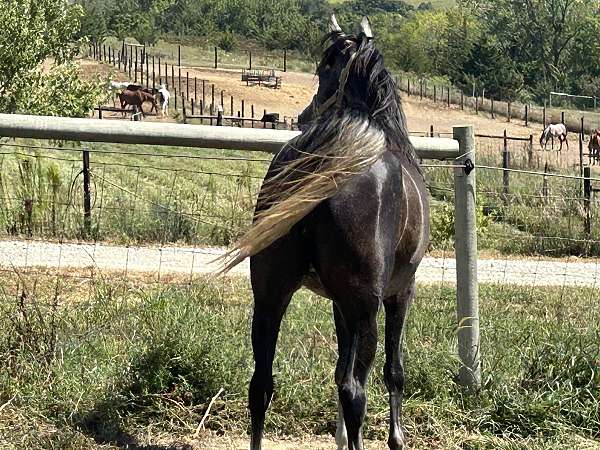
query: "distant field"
435, 3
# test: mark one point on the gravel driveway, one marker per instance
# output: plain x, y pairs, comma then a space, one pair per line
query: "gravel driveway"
159, 261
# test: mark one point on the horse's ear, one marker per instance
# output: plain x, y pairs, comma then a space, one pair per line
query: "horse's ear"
365, 28
334, 27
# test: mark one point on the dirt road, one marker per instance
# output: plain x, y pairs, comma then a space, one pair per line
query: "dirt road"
157, 262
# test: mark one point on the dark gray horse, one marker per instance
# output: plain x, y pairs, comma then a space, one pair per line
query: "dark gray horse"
359, 244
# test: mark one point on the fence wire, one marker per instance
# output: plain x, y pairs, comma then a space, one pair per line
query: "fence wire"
164, 214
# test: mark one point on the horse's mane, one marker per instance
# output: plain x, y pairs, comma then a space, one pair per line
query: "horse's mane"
372, 89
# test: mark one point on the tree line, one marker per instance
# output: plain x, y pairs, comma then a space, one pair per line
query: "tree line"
514, 49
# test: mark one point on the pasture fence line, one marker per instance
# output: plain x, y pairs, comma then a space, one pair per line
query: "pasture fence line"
420, 87
460, 151
186, 93
137, 56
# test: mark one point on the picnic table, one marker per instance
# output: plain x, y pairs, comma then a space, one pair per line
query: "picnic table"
261, 77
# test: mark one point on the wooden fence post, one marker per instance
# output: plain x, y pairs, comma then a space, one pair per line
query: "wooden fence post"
231, 99
544, 115
249, 59
216, 59
212, 98
545, 183
243, 112
285, 60
179, 55
467, 296
492, 100
527, 115
587, 204
179, 80
509, 110
462, 100
187, 85
581, 137
203, 95
505, 165
530, 151
87, 198
434, 93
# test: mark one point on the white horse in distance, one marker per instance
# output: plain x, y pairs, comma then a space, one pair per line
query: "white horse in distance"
559, 131
165, 96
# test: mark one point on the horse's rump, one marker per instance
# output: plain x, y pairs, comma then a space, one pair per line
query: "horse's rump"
308, 170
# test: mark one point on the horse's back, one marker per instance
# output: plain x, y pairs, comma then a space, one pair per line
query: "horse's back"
370, 225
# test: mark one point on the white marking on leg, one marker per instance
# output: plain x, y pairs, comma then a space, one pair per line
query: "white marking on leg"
341, 436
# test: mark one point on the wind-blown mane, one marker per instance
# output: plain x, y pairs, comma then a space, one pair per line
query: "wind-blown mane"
371, 88
338, 145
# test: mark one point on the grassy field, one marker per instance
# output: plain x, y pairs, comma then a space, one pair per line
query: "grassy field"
110, 362
200, 53
437, 4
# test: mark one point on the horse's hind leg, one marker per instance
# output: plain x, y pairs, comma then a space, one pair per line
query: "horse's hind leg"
396, 310
354, 365
343, 341
276, 274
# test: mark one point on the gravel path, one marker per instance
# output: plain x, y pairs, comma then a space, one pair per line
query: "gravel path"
159, 261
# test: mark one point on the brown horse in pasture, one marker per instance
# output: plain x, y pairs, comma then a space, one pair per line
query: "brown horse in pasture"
137, 98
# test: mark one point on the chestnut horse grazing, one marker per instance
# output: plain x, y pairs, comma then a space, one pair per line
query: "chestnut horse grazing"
137, 98
343, 210
594, 147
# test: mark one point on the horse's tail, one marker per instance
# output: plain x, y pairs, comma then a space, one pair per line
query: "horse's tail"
328, 155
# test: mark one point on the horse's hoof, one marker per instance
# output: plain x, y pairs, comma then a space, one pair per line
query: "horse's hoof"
396, 443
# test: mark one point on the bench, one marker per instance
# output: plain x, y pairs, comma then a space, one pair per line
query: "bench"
261, 77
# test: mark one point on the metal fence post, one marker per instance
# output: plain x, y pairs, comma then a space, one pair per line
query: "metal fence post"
87, 198
467, 300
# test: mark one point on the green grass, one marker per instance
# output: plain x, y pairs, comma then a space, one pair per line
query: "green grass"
111, 362
200, 53
437, 4
135, 199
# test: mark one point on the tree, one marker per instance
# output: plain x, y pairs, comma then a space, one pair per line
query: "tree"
36, 52
537, 35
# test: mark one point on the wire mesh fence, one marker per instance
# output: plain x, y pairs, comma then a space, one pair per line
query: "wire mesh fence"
168, 208
135, 296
